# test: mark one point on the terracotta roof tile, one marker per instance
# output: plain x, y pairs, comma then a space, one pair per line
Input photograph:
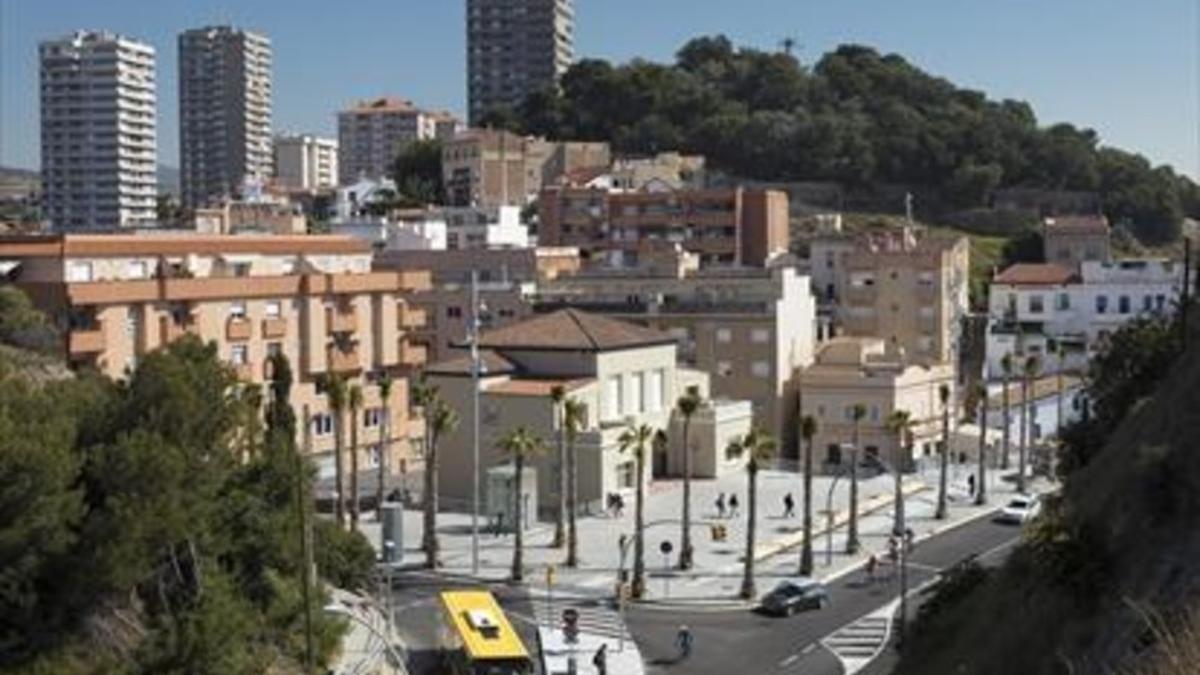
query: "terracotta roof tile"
1036, 274
573, 330
493, 364
535, 387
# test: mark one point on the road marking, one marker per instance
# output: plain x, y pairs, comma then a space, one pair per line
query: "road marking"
789, 660
808, 650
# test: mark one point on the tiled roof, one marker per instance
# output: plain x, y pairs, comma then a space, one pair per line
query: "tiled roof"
1078, 224
493, 364
583, 175
1040, 389
572, 330
535, 387
1036, 274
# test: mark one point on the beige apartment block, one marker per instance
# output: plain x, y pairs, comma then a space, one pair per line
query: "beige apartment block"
870, 372
621, 372
314, 299
749, 329
907, 289
372, 133
724, 226
489, 168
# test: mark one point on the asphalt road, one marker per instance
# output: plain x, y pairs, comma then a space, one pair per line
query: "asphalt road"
740, 641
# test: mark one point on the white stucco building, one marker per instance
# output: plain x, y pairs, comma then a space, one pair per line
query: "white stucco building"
305, 161
1032, 306
471, 227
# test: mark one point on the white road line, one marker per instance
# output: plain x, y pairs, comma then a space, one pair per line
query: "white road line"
789, 660
809, 648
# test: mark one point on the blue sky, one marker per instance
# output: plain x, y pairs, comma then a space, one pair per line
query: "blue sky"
1127, 69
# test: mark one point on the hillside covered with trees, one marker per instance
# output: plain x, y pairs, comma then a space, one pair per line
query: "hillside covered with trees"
857, 117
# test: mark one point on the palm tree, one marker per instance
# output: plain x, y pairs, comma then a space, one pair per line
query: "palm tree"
355, 397
335, 396
852, 544
944, 459
687, 406
574, 418
758, 447
557, 394
981, 489
899, 423
521, 444
1029, 373
440, 419
634, 439
385, 441
808, 429
1006, 365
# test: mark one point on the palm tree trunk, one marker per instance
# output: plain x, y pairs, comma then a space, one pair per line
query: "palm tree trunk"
638, 588
518, 565
572, 504
354, 470
748, 591
685, 538
852, 544
945, 464
1004, 443
981, 486
339, 470
431, 498
1021, 449
560, 471
806, 552
898, 497
385, 455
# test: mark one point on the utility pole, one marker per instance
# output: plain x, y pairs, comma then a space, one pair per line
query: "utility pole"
473, 336
306, 574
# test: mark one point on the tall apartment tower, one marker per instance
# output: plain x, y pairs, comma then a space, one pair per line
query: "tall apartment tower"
372, 133
515, 47
224, 112
99, 156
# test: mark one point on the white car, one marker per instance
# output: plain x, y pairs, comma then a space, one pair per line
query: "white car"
1019, 510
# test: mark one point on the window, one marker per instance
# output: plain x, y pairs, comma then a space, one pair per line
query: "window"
273, 309
724, 368
241, 269
131, 322
322, 424
724, 335
79, 271
833, 454
1063, 301
136, 269
1160, 301
373, 455
634, 401
654, 391
874, 413
612, 395
287, 265
454, 312
1102, 304
1036, 304
626, 474
1123, 304
237, 309
760, 336
238, 355
274, 349
1147, 303
760, 369
372, 417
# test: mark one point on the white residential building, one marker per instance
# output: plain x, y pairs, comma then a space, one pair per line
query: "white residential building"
224, 113
305, 161
1032, 306
99, 156
485, 227
409, 232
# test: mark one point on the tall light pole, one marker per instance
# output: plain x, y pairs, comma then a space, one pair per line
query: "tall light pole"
473, 336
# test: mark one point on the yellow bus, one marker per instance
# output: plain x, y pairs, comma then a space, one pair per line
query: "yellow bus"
477, 638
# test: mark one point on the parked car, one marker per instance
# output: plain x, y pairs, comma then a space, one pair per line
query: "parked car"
1019, 510
793, 595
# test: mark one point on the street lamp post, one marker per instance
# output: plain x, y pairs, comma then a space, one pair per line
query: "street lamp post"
473, 336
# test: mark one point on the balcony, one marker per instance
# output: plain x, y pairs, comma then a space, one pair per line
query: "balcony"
412, 318
343, 360
89, 341
413, 355
274, 327
341, 320
237, 329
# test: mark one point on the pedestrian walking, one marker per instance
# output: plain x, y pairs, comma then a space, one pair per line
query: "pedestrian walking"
620, 504
600, 660
893, 553
683, 640
610, 505
733, 506
908, 540
971, 484
872, 565
499, 524
721, 505
789, 506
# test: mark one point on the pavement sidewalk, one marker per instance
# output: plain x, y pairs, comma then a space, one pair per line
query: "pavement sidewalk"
368, 647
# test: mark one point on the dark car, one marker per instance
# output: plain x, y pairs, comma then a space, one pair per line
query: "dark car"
794, 595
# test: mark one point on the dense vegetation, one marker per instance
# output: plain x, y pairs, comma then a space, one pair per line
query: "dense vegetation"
151, 525
857, 117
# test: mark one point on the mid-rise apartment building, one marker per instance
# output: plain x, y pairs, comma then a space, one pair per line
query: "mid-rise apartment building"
621, 373
306, 162
909, 290
314, 299
99, 159
729, 227
371, 134
750, 329
224, 113
514, 48
489, 168
1035, 308
1073, 240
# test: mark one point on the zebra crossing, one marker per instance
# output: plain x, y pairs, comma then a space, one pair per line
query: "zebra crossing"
596, 615
856, 644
